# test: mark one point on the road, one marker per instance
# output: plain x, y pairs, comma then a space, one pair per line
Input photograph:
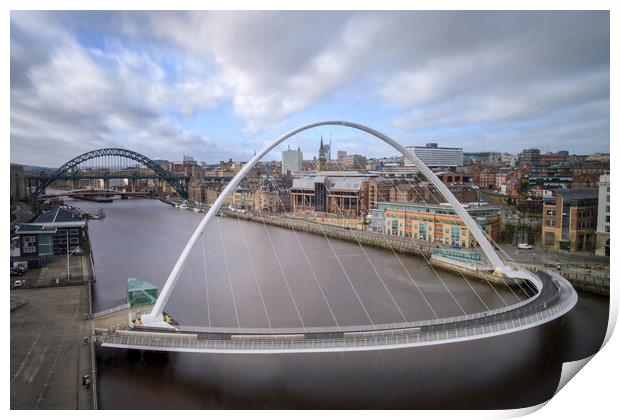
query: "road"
537, 255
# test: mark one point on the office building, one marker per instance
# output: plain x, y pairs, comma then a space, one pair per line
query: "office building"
48, 234
436, 157
602, 224
438, 223
530, 157
353, 162
569, 219
292, 160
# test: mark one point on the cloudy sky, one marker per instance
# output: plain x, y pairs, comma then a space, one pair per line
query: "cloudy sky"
221, 84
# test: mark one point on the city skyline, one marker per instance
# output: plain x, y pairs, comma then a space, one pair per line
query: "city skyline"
492, 81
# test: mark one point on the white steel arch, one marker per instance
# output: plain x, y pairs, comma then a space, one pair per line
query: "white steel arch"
155, 317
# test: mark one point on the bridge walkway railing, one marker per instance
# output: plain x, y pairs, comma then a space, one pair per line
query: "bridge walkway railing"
402, 338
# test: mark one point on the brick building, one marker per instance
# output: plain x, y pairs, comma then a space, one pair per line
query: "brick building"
341, 194
484, 178
438, 223
569, 219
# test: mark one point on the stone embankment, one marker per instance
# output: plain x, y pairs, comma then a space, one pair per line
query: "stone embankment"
402, 245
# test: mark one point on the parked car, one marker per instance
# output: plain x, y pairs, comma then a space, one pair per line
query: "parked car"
18, 271
18, 283
524, 246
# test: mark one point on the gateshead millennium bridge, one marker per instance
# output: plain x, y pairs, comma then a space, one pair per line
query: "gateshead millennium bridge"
552, 296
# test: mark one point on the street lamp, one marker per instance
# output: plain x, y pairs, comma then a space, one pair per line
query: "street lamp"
68, 255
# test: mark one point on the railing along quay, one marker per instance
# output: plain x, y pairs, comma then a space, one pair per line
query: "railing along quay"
407, 245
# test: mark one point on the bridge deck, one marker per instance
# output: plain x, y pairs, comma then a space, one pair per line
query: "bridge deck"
555, 302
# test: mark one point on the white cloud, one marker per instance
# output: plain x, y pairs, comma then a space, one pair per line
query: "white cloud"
83, 80
77, 98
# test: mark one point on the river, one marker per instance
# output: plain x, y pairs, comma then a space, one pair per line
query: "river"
304, 280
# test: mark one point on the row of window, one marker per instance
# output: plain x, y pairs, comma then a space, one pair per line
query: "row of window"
72, 231
582, 225
29, 244
584, 213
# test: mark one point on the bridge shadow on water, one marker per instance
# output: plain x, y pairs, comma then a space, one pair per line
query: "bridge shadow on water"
511, 371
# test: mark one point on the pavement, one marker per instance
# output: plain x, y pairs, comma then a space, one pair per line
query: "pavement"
48, 354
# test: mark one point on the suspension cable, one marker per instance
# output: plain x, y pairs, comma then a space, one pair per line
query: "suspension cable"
275, 253
260, 293
414, 189
437, 274
303, 250
232, 293
344, 271
370, 262
204, 260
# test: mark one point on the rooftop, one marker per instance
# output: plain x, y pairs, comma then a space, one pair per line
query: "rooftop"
338, 182
29, 228
434, 147
470, 207
404, 187
578, 193
58, 215
136, 284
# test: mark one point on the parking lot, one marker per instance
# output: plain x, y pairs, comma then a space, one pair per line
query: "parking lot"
55, 273
48, 354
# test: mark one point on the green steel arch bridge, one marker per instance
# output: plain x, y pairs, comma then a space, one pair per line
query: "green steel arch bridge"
107, 164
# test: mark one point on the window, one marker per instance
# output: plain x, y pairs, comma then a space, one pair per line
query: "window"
29, 244
74, 241
607, 219
74, 232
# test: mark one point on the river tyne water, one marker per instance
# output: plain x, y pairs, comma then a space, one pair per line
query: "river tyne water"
143, 238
